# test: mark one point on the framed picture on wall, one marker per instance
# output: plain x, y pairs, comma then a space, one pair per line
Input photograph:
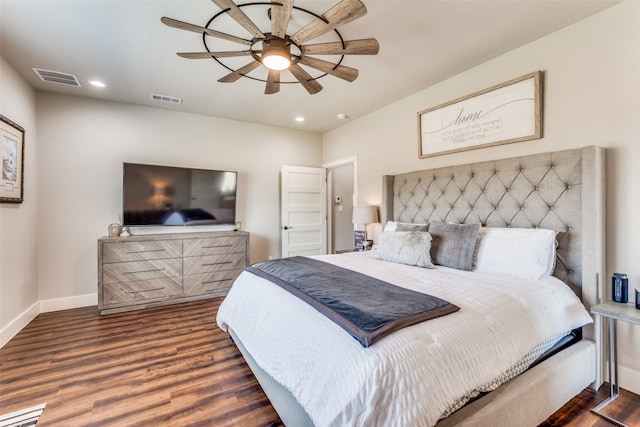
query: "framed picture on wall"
12, 156
502, 114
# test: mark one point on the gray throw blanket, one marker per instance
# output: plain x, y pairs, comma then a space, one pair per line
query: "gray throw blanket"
366, 307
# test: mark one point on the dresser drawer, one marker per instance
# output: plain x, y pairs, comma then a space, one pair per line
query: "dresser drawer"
142, 290
214, 245
217, 283
142, 250
141, 270
137, 272
211, 263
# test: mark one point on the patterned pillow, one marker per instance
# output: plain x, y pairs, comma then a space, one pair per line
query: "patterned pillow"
452, 245
405, 247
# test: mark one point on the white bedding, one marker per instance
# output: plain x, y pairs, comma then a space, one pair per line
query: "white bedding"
414, 376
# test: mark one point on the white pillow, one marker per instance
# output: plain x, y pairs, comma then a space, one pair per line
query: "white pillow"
523, 252
405, 247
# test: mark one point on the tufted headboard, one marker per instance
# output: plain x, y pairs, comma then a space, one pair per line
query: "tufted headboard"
563, 191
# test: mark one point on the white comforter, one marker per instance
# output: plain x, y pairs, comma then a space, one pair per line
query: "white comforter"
414, 376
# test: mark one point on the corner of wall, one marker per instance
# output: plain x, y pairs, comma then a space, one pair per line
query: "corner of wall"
17, 324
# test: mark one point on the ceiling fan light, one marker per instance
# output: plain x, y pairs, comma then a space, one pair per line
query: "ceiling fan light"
276, 60
275, 54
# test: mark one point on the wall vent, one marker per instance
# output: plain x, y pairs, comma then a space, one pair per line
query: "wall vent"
57, 77
164, 98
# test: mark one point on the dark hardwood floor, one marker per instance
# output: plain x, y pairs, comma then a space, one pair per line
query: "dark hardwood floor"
169, 366
576, 413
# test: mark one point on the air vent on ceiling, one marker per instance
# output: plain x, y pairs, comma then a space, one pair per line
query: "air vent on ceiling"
163, 98
57, 77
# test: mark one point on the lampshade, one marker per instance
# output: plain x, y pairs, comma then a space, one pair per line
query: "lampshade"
365, 215
160, 190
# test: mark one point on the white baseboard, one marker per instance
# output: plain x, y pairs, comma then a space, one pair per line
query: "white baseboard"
44, 306
67, 303
16, 325
629, 379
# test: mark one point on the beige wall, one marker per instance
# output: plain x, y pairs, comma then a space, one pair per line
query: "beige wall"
83, 143
591, 97
18, 271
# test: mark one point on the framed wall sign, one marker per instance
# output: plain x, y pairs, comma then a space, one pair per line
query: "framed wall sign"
358, 239
502, 114
12, 156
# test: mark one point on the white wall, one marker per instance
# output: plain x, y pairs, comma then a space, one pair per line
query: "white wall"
82, 144
591, 97
18, 272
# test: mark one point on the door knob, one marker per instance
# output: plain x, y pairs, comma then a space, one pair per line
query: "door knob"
286, 227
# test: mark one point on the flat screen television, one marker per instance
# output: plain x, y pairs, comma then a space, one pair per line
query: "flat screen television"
175, 196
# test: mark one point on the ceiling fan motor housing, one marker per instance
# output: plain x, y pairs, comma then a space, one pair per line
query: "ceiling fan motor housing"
276, 53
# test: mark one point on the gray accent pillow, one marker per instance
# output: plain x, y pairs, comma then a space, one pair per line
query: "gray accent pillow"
405, 247
452, 245
404, 226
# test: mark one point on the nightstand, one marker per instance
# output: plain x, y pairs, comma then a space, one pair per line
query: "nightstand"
345, 251
613, 312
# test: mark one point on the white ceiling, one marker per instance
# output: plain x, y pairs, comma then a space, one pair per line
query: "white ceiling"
123, 43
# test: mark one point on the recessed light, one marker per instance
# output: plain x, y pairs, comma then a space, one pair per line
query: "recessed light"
97, 83
341, 116
299, 119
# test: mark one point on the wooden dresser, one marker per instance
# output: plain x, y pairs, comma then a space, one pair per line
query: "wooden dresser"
138, 272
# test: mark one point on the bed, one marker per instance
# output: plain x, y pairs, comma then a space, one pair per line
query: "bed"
560, 191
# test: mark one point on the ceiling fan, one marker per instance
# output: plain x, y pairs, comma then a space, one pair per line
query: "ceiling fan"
279, 51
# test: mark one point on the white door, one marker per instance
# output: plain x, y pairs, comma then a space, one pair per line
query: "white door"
304, 211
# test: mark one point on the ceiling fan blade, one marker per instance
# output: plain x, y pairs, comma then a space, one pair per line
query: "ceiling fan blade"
312, 86
204, 55
345, 73
232, 77
197, 29
340, 14
239, 17
273, 82
351, 47
280, 15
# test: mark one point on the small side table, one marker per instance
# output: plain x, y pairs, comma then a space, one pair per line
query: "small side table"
613, 312
345, 251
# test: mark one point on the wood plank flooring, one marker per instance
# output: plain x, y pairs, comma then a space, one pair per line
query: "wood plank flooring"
169, 366
163, 366
576, 413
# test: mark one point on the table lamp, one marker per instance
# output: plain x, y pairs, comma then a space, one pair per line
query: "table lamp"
365, 215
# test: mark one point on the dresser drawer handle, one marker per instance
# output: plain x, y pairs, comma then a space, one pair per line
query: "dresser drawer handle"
146, 250
217, 246
146, 290
144, 271
215, 263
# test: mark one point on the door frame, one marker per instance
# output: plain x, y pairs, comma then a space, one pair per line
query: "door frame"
329, 166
